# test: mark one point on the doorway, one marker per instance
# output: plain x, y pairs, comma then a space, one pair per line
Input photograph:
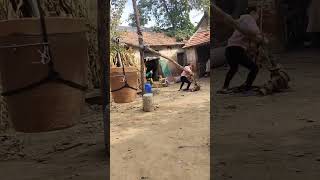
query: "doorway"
294, 17
203, 55
152, 64
181, 59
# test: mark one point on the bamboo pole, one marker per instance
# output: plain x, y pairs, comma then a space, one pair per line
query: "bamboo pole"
140, 36
104, 17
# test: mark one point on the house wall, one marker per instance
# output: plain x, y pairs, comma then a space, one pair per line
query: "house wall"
204, 24
191, 55
136, 55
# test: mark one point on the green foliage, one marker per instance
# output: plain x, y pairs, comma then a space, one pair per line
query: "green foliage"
117, 7
171, 16
144, 18
202, 5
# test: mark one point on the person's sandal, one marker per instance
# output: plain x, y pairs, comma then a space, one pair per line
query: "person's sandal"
223, 91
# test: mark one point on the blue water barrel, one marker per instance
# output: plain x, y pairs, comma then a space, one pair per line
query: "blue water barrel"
148, 88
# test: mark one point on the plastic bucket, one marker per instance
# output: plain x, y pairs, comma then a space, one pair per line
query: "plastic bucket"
51, 106
125, 95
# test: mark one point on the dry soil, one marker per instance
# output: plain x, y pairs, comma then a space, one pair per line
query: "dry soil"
170, 143
273, 137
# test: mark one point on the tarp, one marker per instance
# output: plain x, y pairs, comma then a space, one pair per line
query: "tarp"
165, 68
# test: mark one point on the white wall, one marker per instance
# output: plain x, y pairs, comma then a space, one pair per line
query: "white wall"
191, 55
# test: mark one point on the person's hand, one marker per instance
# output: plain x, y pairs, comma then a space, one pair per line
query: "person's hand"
262, 39
259, 38
190, 73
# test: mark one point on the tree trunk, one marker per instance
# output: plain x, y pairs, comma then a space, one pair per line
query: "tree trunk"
140, 36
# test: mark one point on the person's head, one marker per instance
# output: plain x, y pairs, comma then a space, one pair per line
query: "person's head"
253, 11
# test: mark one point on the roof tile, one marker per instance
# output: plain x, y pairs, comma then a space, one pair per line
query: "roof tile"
150, 38
200, 37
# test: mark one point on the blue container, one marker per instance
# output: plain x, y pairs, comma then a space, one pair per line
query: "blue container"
148, 88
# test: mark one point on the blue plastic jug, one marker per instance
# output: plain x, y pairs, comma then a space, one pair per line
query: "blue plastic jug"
148, 88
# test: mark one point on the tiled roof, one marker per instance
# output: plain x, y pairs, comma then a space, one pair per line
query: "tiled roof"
200, 37
150, 38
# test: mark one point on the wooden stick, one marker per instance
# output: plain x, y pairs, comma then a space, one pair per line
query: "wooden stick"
103, 18
154, 52
140, 36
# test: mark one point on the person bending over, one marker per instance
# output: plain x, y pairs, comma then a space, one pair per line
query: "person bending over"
236, 51
186, 76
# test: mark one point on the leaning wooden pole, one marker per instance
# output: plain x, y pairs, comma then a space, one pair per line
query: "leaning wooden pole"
156, 53
140, 36
171, 60
103, 44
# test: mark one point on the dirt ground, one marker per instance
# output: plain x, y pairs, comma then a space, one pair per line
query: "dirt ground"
273, 137
74, 153
170, 143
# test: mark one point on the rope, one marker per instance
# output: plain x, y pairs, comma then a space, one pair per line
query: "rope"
126, 85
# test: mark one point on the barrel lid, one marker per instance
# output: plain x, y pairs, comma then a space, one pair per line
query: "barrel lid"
148, 94
31, 26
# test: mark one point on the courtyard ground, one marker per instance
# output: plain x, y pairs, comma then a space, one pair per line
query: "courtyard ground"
74, 153
170, 143
273, 137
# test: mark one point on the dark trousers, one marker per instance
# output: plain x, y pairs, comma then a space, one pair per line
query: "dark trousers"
185, 80
237, 55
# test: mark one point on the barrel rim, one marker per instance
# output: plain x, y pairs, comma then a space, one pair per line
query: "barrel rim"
31, 26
